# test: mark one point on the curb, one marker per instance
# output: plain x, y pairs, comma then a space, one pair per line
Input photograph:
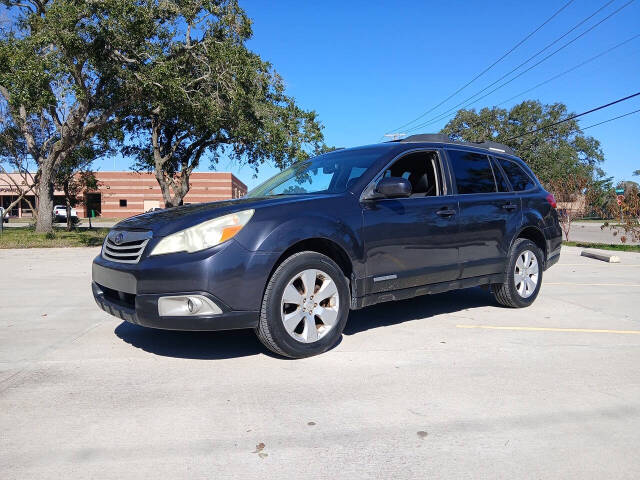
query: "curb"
601, 256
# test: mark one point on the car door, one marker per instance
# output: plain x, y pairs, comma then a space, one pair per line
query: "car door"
410, 241
489, 212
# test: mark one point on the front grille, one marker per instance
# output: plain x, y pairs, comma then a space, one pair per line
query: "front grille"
125, 247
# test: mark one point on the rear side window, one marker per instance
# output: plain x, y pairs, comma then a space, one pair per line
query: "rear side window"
517, 176
472, 172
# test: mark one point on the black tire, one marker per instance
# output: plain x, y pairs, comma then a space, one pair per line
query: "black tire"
271, 330
506, 293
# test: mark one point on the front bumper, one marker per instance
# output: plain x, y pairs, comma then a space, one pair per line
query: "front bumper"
233, 280
143, 310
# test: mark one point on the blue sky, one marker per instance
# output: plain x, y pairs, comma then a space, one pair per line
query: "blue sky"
367, 67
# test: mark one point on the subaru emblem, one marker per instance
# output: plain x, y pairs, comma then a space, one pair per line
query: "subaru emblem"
118, 238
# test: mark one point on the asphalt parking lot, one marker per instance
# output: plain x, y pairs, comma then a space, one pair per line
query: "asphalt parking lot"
444, 386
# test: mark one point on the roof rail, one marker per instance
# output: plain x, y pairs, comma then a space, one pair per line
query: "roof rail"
496, 147
442, 138
427, 137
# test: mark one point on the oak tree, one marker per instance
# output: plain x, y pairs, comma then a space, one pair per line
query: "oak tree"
216, 98
552, 152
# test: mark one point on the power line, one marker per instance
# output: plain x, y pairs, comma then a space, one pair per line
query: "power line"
527, 60
467, 102
575, 67
490, 66
575, 116
611, 119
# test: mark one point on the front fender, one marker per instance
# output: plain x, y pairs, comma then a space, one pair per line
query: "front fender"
274, 237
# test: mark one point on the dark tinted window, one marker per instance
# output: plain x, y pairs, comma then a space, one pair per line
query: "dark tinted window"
500, 180
517, 176
472, 172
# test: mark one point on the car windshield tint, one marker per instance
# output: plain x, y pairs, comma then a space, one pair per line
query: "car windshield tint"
332, 172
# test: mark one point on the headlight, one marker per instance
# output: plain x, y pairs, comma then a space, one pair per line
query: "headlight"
204, 235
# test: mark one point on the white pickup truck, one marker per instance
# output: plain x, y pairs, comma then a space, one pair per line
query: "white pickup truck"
60, 213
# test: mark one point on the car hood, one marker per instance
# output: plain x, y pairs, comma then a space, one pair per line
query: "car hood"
174, 219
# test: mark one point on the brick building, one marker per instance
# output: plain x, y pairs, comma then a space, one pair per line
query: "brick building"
123, 194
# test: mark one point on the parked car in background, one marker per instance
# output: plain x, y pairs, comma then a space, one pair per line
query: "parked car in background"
334, 233
60, 213
155, 209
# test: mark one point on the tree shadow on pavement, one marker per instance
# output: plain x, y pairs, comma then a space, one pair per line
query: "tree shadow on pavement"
423, 307
193, 345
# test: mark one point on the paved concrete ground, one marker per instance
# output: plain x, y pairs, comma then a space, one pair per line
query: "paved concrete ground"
410, 392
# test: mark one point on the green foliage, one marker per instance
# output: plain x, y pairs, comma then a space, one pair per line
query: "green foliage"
605, 246
551, 153
175, 73
72, 71
215, 97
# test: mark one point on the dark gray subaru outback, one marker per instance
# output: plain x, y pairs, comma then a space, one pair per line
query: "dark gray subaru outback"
338, 232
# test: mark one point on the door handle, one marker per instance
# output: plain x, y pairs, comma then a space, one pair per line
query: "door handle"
446, 212
509, 206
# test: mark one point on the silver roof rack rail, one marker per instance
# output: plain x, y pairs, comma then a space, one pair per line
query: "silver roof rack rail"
442, 138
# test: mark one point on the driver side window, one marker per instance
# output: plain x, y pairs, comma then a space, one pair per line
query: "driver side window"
422, 170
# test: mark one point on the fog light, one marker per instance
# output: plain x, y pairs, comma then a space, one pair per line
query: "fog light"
193, 305
186, 305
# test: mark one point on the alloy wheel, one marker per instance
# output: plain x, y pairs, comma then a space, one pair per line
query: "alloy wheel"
309, 306
526, 274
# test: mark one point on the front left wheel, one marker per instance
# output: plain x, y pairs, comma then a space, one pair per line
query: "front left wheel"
305, 306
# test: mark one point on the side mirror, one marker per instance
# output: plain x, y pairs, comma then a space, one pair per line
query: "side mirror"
393, 187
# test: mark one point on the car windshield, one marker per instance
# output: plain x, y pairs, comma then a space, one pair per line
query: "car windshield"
329, 173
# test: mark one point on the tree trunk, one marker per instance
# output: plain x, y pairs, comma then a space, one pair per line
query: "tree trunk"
173, 197
68, 216
44, 220
12, 205
67, 201
164, 188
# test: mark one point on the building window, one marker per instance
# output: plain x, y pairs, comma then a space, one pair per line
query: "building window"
123, 202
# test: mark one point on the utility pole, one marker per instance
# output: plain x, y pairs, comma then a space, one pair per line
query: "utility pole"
395, 136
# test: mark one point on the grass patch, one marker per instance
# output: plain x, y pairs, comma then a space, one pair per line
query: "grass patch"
26, 237
605, 246
32, 220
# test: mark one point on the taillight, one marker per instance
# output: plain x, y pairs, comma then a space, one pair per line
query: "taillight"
551, 199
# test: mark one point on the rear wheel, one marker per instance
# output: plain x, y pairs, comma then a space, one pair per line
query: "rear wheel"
305, 306
523, 276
